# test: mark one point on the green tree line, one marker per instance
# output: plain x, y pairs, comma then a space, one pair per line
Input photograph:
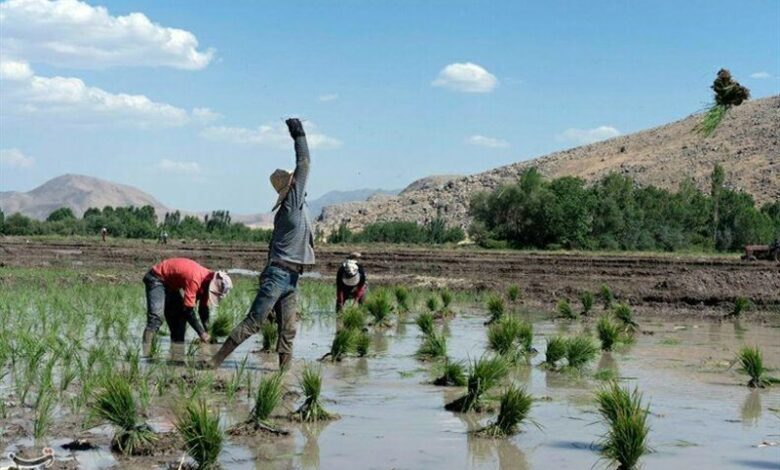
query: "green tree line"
616, 213
434, 232
133, 222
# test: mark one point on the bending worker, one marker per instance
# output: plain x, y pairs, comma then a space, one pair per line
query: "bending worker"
291, 251
173, 287
350, 282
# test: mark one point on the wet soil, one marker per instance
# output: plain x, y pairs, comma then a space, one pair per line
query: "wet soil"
692, 285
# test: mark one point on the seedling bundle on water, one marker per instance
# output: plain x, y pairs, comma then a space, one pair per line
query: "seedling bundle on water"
496, 308
201, 432
402, 299
484, 374
311, 385
425, 323
221, 326
267, 398
434, 346
380, 307
270, 335
453, 374
114, 403
752, 362
626, 419
515, 406
510, 337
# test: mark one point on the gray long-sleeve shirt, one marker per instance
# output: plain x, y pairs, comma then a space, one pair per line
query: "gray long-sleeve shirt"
292, 239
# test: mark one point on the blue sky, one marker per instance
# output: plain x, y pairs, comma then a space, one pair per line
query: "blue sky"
173, 101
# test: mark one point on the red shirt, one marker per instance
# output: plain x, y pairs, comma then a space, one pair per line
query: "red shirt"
185, 274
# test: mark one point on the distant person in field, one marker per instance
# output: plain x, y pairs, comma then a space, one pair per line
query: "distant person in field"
103, 233
350, 282
173, 287
291, 251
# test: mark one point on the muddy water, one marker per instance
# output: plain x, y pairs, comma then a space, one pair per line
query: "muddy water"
702, 414
391, 418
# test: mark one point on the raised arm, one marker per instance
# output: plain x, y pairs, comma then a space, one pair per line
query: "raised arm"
302, 158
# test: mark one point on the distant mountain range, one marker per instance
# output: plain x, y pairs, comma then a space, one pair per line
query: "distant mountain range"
81, 192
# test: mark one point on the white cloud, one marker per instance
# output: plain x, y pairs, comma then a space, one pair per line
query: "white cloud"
329, 97
588, 136
75, 34
15, 70
72, 98
15, 158
269, 136
761, 75
467, 78
205, 115
489, 142
171, 166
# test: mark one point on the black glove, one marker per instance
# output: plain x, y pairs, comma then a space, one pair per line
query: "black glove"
295, 127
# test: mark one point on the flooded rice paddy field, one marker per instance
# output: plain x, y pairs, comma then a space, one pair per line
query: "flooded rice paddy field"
391, 417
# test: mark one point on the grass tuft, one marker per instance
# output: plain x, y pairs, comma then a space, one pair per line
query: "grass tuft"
626, 420
379, 305
626, 316
513, 293
496, 308
580, 350
453, 374
515, 407
344, 343
484, 374
362, 343
434, 346
402, 298
446, 298
587, 299
425, 323
221, 326
565, 310
608, 331
114, 403
432, 304
607, 298
311, 384
270, 335
556, 350
267, 398
752, 362
741, 305
203, 437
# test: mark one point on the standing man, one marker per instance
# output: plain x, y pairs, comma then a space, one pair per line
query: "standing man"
103, 233
291, 251
350, 282
173, 287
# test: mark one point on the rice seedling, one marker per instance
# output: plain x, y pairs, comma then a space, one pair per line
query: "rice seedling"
587, 299
580, 350
344, 342
607, 298
525, 335
608, 332
270, 335
202, 435
453, 374
311, 384
565, 310
626, 419
446, 298
515, 407
503, 335
741, 305
380, 306
556, 350
267, 398
221, 326
425, 323
496, 309
234, 384
353, 318
44, 405
402, 298
434, 346
114, 403
626, 316
432, 304
362, 344
513, 293
752, 362
484, 374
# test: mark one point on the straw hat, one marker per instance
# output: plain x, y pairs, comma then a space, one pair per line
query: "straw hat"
281, 180
219, 287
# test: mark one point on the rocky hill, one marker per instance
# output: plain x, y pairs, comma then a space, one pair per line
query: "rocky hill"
78, 192
747, 144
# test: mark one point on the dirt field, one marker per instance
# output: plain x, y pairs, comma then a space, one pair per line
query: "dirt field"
691, 283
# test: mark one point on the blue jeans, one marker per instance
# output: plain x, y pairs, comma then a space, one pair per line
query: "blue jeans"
277, 293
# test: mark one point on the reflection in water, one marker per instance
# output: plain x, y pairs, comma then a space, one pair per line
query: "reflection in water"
751, 408
274, 453
564, 379
607, 362
310, 454
486, 451
400, 327
350, 370
739, 330
522, 371
714, 332
379, 342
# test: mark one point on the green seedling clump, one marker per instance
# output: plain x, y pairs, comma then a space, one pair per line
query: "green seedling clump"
402, 298
311, 384
434, 346
484, 374
626, 316
380, 306
580, 351
201, 432
453, 374
362, 344
432, 304
556, 350
514, 410
606, 296
565, 310
114, 403
344, 343
270, 334
425, 323
267, 398
741, 305
608, 331
496, 308
587, 299
221, 326
752, 362
513, 293
626, 420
